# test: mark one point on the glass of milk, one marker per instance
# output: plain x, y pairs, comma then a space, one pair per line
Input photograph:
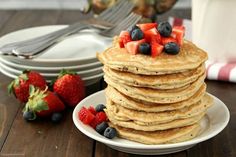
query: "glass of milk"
214, 28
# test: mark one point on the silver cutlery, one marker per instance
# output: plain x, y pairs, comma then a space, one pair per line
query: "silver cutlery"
105, 21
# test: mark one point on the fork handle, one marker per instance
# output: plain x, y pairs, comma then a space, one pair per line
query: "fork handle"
59, 32
29, 51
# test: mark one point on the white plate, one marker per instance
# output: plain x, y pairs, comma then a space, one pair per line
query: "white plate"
76, 50
51, 69
85, 73
88, 80
214, 122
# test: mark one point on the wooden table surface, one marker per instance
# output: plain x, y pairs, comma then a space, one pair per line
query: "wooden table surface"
43, 139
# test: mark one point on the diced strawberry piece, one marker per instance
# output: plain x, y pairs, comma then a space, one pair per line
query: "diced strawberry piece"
178, 33
150, 33
121, 43
165, 40
99, 118
156, 38
85, 115
124, 38
92, 110
132, 47
146, 26
156, 49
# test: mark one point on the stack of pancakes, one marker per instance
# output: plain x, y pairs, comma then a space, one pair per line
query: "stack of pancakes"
156, 100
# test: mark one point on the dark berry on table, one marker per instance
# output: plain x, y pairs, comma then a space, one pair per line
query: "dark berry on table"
144, 48
56, 117
165, 29
110, 133
100, 108
137, 34
172, 48
29, 115
100, 128
133, 28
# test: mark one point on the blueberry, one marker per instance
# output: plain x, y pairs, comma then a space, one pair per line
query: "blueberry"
133, 28
165, 29
110, 132
137, 34
171, 48
56, 117
100, 107
29, 115
144, 48
100, 128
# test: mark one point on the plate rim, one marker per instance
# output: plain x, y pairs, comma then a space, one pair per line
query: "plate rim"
46, 68
143, 146
54, 74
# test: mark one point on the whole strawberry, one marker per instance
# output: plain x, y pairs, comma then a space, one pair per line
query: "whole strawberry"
69, 87
42, 103
20, 86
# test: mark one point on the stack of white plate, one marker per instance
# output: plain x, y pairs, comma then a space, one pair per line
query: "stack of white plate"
76, 53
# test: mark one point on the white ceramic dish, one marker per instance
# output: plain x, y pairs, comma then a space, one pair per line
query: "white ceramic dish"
51, 69
213, 123
85, 73
76, 50
88, 80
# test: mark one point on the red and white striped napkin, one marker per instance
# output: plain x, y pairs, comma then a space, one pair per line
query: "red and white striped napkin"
215, 70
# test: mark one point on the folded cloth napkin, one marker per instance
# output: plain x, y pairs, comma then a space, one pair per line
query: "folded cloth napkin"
215, 70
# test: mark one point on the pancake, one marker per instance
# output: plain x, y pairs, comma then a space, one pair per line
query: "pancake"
189, 57
156, 81
158, 96
159, 137
137, 125
161, 117
130, 103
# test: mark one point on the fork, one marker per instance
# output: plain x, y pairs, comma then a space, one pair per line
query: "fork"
107, 19
127, 23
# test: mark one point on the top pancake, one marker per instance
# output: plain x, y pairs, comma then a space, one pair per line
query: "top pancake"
189, 57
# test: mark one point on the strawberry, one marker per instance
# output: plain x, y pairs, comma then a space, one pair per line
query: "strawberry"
149, 34
178, 33
43, 102
165, 40
69, 87
146, 26
20, 86
92, 110
156, 49
121, 44
132, 47
99, 118
85, 115
124, 38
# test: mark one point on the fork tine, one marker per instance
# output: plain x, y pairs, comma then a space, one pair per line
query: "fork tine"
121, 14
126, 23
119, 3
133, 20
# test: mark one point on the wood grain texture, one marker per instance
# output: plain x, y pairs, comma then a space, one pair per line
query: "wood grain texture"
10, 106
44, 139
5, 16
29, 18
104, 151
